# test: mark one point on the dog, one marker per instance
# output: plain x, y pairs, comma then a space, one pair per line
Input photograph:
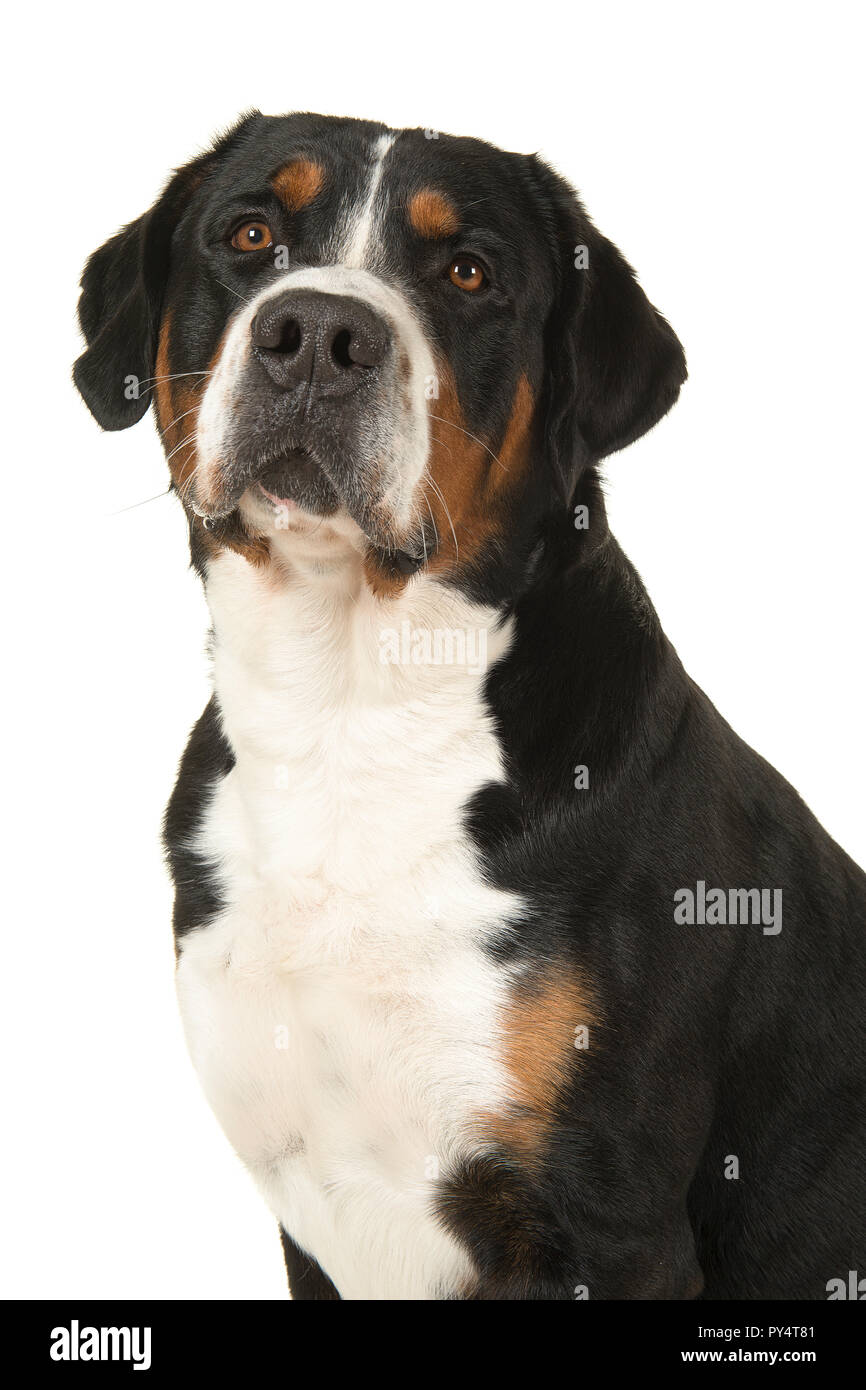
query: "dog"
509, 970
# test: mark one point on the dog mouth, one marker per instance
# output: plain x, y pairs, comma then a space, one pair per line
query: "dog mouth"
287, 482
295, 480
286, 479
294, 490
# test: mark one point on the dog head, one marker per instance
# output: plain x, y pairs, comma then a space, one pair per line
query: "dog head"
401, 340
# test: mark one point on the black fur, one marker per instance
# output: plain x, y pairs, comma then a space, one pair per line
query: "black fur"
122, 296
306, 1279
717, 1040
206, 760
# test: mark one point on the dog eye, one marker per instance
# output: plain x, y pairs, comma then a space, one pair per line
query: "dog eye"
252, 236
467, 274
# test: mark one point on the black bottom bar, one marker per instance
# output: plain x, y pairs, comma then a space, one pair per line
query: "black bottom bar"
169, 1338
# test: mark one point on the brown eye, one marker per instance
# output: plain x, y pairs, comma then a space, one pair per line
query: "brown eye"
252, 236
467, 274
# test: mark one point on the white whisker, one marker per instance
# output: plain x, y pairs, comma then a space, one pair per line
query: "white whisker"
454, 426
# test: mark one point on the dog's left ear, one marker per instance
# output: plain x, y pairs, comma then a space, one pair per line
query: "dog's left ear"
614, 364
121, 298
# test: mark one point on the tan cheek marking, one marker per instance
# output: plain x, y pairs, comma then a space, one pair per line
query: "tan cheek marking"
178, 401
383, 583
432, 215
472, 482
540, 1032
162, 392
174, 400
298, 183
381, 573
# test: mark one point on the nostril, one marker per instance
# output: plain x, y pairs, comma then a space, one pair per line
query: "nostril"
274, 333
289, 339
351, 347
340, 349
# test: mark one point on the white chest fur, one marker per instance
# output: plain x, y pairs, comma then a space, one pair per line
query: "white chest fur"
343, 1015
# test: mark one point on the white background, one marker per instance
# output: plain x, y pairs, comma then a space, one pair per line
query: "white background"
720, 147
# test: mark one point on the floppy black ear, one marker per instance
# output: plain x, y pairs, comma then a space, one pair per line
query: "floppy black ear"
121, 298
614, 364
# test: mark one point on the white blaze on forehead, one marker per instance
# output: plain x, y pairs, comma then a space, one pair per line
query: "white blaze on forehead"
356, 239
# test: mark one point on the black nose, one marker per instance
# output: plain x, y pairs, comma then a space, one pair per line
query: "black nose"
329, 341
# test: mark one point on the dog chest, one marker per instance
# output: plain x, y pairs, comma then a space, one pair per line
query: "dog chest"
343, 1011
348, 1071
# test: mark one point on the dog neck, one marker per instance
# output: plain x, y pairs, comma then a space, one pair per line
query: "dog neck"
303, 639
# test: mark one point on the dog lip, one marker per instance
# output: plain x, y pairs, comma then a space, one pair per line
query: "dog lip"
211, 514
273, 474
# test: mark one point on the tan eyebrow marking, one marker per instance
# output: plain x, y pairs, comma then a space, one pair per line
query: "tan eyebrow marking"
432, 214
298, 183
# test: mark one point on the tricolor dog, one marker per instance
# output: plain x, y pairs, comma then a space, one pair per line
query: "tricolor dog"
473, 884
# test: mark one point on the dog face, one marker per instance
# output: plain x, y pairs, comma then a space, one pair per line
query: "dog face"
418, 340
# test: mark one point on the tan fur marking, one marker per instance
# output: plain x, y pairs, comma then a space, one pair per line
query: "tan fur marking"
539, 1039
177, 406
432, 215
383, 583
178, 401
298, 183
471, 483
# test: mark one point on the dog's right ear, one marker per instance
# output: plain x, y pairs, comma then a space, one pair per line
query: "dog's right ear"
615, 365
121, 297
